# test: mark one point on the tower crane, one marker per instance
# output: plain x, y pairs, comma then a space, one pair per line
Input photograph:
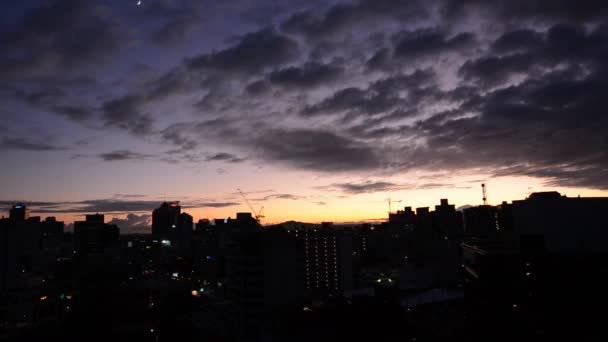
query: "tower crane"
390, 202
257, 215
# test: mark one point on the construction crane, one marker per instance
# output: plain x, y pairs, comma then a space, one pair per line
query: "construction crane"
389, 204
484, 194
259, 215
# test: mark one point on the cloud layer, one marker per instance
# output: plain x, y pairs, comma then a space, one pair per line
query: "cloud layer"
356, 87
120, 205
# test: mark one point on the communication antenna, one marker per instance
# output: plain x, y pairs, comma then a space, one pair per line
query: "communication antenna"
484, 193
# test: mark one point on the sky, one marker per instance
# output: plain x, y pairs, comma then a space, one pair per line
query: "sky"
316, 110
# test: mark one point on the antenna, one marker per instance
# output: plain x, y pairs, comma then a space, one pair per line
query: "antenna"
484, 193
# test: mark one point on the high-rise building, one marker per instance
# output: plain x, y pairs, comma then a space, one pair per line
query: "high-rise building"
446, 219
183, 234
261, 277
170, 224
20, 247
93, 236
405, 219
327, 258
504, 217
51, 227
19, 213
480, 220
165, 220
8, 254
566, 225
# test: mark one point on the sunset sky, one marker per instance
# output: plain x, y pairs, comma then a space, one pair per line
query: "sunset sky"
317, 110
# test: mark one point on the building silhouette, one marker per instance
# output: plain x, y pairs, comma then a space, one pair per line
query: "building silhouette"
165, 220
94, 237
170, 224
527, 265
19, 213
480, 220
446, 219
326, 252
564, 225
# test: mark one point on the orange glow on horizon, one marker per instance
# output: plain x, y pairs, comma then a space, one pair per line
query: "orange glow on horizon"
364, 207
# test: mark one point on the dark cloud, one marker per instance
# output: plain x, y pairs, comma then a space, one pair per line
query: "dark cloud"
43, 97
283, 196
344, 16
366, 101
312, 149
224, 157
395, 83
7, 204
73, 113
346, 99
173, 82
518, 40
177, 20
129, 195
176, 30
108, 206
380, 96
364, 187
492, 70
125, 113
216, 204
60, 37
123, 155
508, 10
354, 188
257, 88
289, 197
120, 109
53, 99
308, 75
253, 52
430, 42
27, 144
310, 23
532, 53
174, 134
381, 59
88, 206
550, 127
337, 88
316, 150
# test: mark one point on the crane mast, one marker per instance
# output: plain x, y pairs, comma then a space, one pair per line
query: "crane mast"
257, 215
389, 204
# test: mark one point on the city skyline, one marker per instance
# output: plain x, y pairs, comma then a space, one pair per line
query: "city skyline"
317, 110
135, 217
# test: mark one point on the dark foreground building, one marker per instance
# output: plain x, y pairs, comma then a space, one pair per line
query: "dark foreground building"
546, 279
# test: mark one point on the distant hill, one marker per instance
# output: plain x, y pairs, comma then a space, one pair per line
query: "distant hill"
463, 207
